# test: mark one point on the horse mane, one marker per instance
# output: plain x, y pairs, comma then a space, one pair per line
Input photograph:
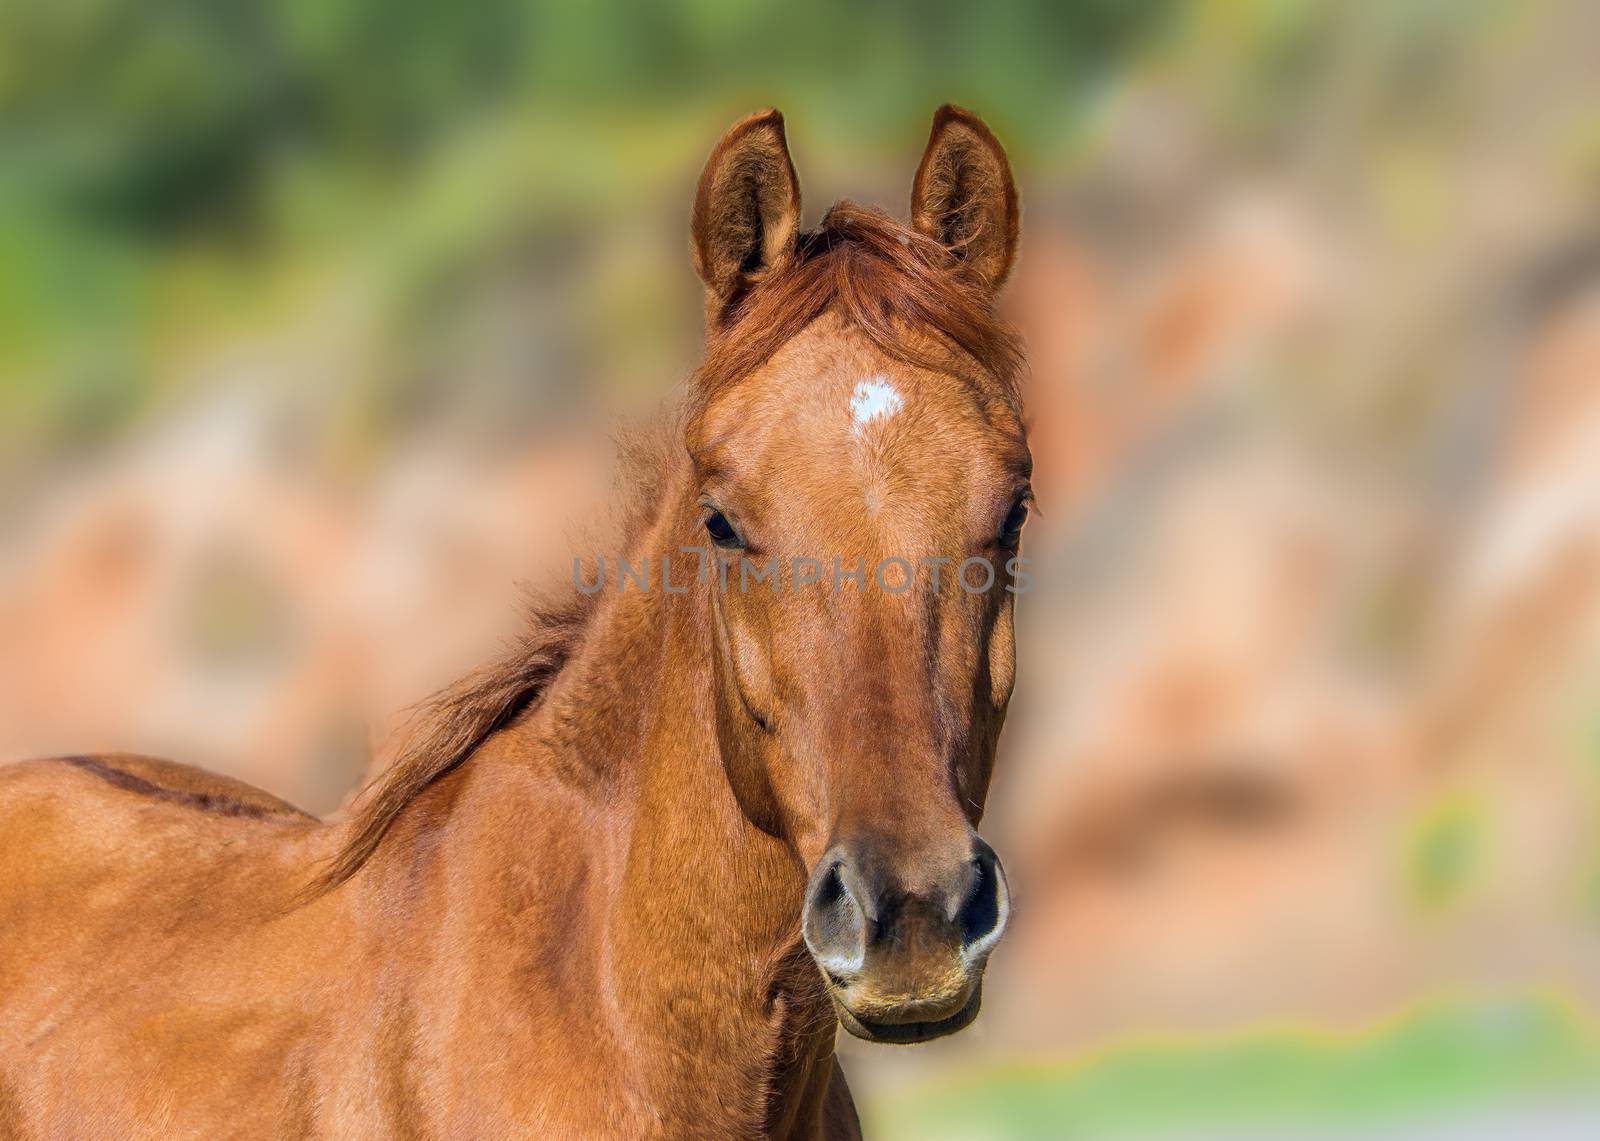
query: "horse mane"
882, 278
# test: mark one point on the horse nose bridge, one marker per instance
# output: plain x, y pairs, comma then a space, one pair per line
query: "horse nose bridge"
887, 656
918, 874
883, 710
946, 887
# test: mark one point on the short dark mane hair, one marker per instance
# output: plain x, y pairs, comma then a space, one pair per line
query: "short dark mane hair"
882, 278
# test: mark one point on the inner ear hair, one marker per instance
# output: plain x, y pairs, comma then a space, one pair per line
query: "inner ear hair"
746, 211
964, 197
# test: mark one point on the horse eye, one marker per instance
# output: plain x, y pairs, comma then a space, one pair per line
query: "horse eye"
1011, 529
721, 531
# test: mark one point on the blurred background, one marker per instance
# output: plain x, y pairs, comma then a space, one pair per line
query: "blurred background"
313, 317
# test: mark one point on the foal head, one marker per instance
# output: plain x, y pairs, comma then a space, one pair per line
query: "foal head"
862, 477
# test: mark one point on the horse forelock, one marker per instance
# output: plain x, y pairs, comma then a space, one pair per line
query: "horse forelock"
895, 285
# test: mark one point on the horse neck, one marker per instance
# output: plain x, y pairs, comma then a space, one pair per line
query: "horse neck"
700, 942
709, 904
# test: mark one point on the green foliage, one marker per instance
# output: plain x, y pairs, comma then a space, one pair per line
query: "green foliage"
1445, 850
264, 134
166, 111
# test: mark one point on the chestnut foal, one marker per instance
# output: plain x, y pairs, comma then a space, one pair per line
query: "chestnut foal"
629, 880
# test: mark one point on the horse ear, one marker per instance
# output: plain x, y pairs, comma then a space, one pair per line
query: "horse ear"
964, 198
746, 210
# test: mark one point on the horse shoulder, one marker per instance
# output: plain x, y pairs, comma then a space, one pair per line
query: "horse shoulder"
185, 785
103, 861
125, 826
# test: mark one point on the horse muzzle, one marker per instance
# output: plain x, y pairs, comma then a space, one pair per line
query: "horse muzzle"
903, 950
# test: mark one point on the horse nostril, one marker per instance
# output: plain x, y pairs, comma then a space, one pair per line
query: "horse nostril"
834, 927
830, 888
984, 912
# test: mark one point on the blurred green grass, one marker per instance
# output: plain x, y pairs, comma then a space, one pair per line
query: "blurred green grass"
1448, 1056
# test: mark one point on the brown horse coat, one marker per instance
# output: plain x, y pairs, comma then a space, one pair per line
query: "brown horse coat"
592, 898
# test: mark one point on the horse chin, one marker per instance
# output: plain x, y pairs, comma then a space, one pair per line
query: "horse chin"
908, 1033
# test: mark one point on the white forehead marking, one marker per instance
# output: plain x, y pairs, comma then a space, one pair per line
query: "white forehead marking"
874, 399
